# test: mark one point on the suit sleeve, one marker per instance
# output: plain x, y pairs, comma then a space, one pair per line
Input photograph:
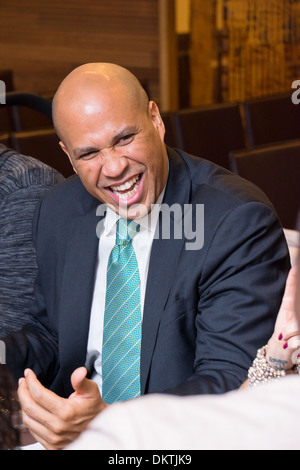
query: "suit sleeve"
34, 346
240, 293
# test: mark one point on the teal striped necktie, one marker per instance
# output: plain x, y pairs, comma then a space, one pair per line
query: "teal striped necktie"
122, 320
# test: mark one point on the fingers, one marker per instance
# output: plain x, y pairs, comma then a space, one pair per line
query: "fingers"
86, 389
51, 439
291, 340
287, 323
44, 413
83, 387
80, 383
56, 421
35, 417
47, 400
290, 291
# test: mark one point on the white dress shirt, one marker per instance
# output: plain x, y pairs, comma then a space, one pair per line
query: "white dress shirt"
142, 243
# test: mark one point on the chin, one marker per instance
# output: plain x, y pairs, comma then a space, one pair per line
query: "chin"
136, 211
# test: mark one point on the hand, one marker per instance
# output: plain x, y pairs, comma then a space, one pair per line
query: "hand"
56, 421
285, 341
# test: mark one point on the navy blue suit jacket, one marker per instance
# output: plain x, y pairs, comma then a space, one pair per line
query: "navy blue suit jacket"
206, 311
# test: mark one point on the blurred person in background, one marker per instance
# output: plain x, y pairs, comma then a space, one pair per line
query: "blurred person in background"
23, 181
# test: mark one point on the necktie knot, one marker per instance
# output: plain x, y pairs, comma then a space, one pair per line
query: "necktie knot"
126, 229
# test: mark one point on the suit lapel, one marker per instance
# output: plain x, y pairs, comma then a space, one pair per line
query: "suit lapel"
77, 290
164, 257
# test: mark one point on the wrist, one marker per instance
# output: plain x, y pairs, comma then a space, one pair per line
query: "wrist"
261, 371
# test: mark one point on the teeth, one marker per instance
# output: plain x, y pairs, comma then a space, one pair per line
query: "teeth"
125, 186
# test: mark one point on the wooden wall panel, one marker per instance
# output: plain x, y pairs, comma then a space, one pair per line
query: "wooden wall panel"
243, 49
42, 41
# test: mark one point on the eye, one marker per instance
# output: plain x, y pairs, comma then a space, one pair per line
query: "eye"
126, 139
88, 155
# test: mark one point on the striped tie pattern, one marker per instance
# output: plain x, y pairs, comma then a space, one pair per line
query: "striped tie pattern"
122, 320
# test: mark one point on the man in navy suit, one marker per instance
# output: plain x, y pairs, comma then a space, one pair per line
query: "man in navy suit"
212, 259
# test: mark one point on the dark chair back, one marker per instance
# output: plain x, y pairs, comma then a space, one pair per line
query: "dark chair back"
43, 145
30, 111
171, 137
211, 131
276, 170
271, 119
4, 139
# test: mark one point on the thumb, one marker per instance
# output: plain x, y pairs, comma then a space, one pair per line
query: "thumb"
81, 384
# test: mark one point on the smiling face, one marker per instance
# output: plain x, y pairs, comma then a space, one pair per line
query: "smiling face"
115, 141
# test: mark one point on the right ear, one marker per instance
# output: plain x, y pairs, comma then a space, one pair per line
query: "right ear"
64, 148
157, 119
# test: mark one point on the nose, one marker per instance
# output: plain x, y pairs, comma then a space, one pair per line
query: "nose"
113, 166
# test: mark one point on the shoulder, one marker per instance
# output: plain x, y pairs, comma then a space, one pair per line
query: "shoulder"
58, 212
20, 172
217, 185
61, 206
69, 198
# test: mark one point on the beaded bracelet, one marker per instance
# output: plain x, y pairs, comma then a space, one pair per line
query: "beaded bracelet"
261, 371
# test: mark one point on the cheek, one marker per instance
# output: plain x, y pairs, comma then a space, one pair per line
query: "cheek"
87, 171
90, 178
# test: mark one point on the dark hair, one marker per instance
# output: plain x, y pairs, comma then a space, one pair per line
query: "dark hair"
9, 411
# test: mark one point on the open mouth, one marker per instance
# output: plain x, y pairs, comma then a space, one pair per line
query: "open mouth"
127, 189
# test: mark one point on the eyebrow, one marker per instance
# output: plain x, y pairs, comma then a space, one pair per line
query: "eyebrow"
82, 150
128, 130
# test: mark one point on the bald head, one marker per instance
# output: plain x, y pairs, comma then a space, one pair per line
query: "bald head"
92, 88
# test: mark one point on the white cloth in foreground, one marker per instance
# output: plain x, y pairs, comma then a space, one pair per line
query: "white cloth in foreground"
261, 418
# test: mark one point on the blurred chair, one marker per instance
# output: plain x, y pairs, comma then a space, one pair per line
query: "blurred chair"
7, 77
37, 117
171, 138
4, 139
271, 119
29, 119
44, 145
276, 170
211, 131
40, 143
6, 117
24, 111
30, 100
